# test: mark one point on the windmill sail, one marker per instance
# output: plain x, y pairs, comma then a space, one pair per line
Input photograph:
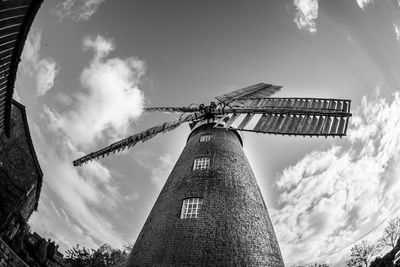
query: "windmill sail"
133, 139
251, 109
294, 104
290, 116
260, 90
173, 109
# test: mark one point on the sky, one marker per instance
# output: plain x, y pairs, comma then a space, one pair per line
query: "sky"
89, 67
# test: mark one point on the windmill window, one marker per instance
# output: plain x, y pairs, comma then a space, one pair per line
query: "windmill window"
191, 208
205, 138
201, 163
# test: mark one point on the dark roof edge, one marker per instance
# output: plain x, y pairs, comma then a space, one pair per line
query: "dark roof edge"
16, 58
32, 150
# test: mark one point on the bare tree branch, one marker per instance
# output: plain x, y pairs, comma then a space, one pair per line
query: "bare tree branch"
361, 254
391, 234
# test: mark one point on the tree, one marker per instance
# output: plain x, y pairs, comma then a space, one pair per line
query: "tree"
361, 254
78, 257
391, 234
101, 257
316, 264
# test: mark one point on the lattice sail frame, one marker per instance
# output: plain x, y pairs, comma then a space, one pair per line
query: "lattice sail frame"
251, 109
290, 116
134, 139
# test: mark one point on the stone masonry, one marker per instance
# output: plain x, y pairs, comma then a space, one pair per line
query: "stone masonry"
20, 174
8, 258
233, 227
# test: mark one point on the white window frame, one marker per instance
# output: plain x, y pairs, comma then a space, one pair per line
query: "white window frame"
202, 163
191, 207
205, 138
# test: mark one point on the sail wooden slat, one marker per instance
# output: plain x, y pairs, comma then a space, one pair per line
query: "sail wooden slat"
278, 124
309, 103
298, 103
333, 104
231, 119
327, 125
320, 104
339, 105
313, 103
269, 123
252, 122
245, 120
345, 106
238, 120
260, 102
294, 124
304, 128
287, 121
320, 125
300, 124
279, 102
313, 126
260, 123
342, 125
326, 104
334, 125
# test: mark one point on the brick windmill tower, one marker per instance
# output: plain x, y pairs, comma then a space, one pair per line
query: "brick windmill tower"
211, 211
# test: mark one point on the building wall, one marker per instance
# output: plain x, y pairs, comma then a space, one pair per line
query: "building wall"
19, 170
9, 258
233, 227
29, 203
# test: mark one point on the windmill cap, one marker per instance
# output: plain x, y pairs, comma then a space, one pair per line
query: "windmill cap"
213, 123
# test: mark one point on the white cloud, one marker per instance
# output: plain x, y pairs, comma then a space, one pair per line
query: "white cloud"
89, 198
77, 9
364, 3
330, 198
159, 167
43, 70
396, 31
85, 194
306, 14
110, 101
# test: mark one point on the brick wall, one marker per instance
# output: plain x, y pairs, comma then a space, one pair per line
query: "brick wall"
19, 169
233, 227
8, 258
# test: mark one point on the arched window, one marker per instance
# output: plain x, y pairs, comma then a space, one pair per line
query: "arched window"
191, 207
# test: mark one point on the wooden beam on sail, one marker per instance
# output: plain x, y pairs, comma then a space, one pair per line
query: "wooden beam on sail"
173, 109
133, 139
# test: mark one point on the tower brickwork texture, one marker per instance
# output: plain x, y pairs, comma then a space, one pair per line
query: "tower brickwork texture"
232, 227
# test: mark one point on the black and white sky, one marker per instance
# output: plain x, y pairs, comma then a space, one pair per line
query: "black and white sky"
89, 67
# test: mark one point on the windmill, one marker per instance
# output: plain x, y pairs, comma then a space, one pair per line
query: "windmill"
210, 210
